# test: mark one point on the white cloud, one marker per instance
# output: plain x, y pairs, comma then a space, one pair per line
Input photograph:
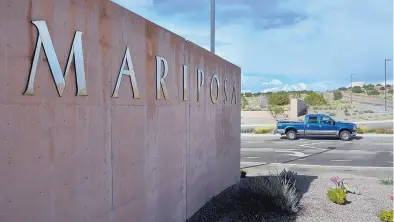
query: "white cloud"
273, 82
338, 37
302, 86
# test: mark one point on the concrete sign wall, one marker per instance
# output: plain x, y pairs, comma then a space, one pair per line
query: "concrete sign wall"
105, 116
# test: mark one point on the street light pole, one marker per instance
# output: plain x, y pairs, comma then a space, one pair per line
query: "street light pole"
351, 88
213, 26
385, 83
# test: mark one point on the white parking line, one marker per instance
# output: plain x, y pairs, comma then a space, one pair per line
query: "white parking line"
340, 160
252, 157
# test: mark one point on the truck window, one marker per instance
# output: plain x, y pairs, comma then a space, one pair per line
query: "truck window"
312, 119
326, 120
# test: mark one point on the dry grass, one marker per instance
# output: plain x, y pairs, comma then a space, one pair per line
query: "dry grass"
263, 130
362, 130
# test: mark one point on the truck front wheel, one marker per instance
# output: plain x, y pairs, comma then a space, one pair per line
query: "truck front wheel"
344, 135
291, 135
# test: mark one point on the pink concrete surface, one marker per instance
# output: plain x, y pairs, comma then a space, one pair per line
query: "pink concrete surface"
98, 158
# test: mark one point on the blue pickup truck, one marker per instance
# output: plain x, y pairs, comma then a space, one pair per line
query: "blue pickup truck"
316, 125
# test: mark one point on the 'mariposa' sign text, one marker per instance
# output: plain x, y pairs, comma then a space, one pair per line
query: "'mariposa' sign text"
76, 53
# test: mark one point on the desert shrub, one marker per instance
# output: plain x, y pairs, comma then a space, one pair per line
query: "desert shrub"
337, 95
276, 110
314, 99
387, 181
357, 89
263, 130
390, 91
243, 173
369, 87
387, 216
380, 131
275, 193
278, 99
337, 196
373, 92
381, 88
244, 102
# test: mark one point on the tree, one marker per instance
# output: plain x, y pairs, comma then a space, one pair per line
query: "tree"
278, 99
378, 84
342, 89
381, 88
337, 95
369, 87
373, 92
388, 86
244, 102
314, 99
357, 89
276, 110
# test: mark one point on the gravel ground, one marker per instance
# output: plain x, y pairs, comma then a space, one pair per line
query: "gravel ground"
314, 204
365, 207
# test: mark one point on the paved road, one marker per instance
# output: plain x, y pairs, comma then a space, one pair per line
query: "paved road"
360, 152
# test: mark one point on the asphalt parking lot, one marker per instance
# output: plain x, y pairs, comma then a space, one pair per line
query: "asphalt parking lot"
367, 151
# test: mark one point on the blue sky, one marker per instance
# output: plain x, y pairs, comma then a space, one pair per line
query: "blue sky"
287, 44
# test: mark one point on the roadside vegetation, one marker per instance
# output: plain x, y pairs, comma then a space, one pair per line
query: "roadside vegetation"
335, 103
364, 130
263, 130
288, 196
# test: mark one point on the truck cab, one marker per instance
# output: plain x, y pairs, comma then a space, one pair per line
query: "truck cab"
317, 125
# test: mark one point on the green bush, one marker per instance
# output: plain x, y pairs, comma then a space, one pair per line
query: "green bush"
244, 102
278, 99
337, 196
373, 92
276, 110
387, 216
390, 91
243, 173
337, 95
380, 131
357, 89
314, 99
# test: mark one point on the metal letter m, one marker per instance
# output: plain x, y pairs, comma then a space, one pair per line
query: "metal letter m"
76, 53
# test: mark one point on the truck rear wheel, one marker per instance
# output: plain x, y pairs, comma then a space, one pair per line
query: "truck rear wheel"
344, 135
291, 135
